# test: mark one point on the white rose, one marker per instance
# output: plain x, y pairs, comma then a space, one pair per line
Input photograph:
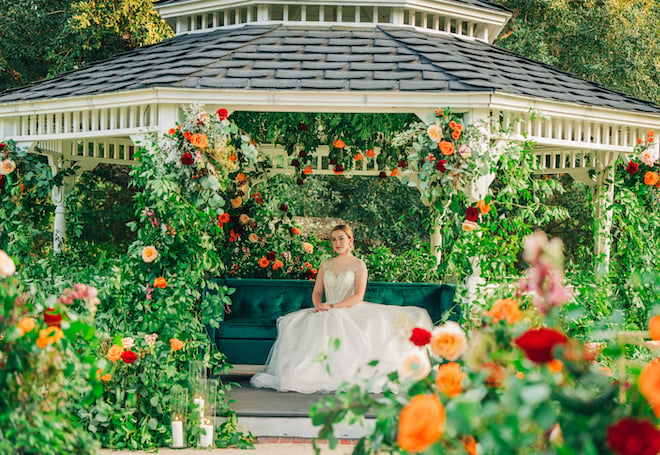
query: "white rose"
414, 367
7, 266
127, 343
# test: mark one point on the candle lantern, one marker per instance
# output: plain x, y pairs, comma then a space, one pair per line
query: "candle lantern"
210, 390
178, 411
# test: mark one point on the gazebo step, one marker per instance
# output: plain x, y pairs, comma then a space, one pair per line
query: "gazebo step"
267, 413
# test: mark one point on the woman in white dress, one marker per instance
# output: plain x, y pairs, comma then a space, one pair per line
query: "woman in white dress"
318, 349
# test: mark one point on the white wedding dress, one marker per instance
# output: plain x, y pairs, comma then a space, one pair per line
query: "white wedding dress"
305, 357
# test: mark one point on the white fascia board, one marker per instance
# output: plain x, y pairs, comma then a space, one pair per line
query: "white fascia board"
565, 110
189, 7
464, 11
324, 101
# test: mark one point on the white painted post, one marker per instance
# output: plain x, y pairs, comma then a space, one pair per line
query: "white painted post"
603, 212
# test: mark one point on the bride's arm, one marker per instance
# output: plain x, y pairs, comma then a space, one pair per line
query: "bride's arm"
317, 293
360, 288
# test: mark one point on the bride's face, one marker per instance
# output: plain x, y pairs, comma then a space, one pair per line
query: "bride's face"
341, 243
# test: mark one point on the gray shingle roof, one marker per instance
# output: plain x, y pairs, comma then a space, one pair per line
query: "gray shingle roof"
275, 57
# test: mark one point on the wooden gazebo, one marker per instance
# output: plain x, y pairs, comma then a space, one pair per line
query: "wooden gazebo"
376, 56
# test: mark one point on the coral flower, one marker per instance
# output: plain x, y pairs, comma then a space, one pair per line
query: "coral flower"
339, 144
651, 178
264, 262
149, 254
307, 170
449, 379
371, 153
358, 157
176, 344
649, 385
448, 341
106, 377
555, 365
233, 157
26, 325
455, 134
447, 148
277, 264
539, 343
199, 140
505, 310
114, 353
160, 282
421, 423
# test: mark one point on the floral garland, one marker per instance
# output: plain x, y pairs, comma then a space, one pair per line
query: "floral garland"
647, 157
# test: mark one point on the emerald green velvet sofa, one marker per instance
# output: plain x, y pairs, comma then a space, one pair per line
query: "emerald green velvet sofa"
249, 330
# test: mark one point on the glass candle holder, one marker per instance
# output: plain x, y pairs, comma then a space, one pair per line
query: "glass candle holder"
178, 411
209, 397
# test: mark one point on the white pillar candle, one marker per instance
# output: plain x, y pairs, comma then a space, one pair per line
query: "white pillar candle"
177, 434
199, 402
206, 436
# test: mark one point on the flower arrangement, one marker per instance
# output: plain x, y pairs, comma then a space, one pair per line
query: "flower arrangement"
517, 383
641, 169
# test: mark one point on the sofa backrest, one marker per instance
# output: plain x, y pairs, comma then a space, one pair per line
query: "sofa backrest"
262, 301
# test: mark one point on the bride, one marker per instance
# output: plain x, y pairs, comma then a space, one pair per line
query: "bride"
317, 349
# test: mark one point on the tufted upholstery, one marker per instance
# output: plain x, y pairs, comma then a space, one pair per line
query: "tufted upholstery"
249, 331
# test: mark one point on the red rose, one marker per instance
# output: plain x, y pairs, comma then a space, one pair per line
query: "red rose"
302, 127
222, 113
420, 337
300, 181
187, 159
302, 154
283, 207
339, 169
472, 214
382, 175
632, 168
271, 256
440, 165
52, 317
2, 183
129, 356
2, 146
402, 163
538, 344
633, 437
295, 163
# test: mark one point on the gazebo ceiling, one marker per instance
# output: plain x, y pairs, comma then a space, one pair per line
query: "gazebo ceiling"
327, 59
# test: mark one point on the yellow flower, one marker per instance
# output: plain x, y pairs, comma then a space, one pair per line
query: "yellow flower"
114, 353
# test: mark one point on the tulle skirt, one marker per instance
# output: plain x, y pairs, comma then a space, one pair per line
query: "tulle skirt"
317, 352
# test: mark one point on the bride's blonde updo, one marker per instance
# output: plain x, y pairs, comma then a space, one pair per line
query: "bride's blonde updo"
346, 229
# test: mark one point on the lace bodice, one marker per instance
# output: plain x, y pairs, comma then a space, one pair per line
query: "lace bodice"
338, 286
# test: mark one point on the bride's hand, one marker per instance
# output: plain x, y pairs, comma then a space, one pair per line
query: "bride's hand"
322, 307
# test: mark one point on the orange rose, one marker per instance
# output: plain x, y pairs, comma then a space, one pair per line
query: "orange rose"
160, 282
505, 310
370, 153
555, 365
224, 218
199, 140
394, 172
469, 444
240, 177
277, 264
651, 178
233, 158
114, 353
26, 325
483, 207
307, 170
448, 341
236, 202
358, 157
171, 131
654, 327
447, 148
49, 335
263, 262
339, 144
149, 254
449, 379
106, 377
452, 124
495, 376
295, 231
244, 218
421, 423
455, 135
176, 344
253, 238
649, 385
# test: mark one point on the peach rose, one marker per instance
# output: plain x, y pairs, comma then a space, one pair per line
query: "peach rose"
505, 310
651, 178
149, 254
414, 367
483, 207
49, 335
114, 353
160, 282
237, 202
308, 248
448, 341
646, 157
449, 379
244, 218
469, 225
555, 365
199, 140
7, 266
106, 377
127, 343
339, 144
176, 344
435, 133
421, 423
7, 167
26, 325
253, 238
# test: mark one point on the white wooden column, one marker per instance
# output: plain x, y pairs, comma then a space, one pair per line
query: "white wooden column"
603, 212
